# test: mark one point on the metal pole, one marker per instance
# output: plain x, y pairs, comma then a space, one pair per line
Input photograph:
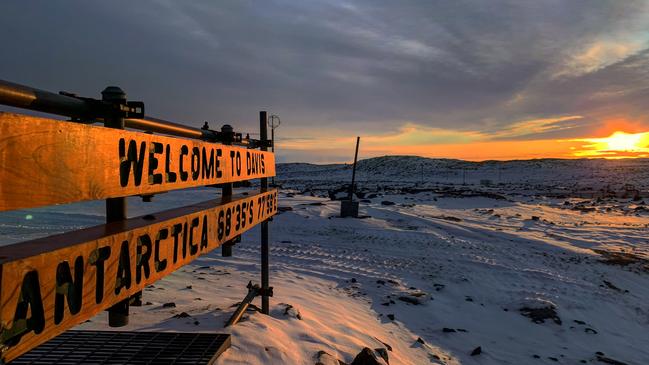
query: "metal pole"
272, 148
272, 138
351, 188
273, 123
226, 189
116, 207
21, 96
265, 302
253, 291
150, 124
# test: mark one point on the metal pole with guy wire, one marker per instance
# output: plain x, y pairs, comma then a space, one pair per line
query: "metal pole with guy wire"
273, 122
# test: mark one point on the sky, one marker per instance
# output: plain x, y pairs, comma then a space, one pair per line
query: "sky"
474, 80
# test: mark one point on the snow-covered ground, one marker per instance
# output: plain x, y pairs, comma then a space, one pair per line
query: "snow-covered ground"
583, 177
529, 279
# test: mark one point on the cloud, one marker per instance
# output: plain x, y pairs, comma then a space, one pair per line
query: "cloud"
599, 55
401, 72
535, 128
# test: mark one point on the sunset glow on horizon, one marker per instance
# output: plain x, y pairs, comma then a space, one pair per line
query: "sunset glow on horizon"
473, 146
617, 145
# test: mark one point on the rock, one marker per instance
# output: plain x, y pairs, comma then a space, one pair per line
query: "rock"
182, 315
169, 305
353, 280
291, 311
384, 344
476, 351
387, 202
188, 287
608, 360
611, 286
449, 218
391, 316
338, 194
383, 353
447, 330
415, 298
539, 315
323, 358
367, 357
410, 300
420, 340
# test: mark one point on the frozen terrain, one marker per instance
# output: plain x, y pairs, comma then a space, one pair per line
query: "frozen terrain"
433, 271
584, 177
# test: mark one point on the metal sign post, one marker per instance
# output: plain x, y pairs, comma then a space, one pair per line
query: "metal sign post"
273, 123
266, 291
349, 207
116, 207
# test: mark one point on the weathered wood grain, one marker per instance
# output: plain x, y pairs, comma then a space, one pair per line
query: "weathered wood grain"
51, 284
45, 162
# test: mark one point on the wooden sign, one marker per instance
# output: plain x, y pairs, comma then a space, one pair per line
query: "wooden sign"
44, 162
51, 284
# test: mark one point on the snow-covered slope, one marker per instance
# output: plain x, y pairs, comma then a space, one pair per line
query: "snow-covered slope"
515, 175
433, 277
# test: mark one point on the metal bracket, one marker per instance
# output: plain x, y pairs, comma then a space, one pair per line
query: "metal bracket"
133, 109
102, 109
266, 292
255, 143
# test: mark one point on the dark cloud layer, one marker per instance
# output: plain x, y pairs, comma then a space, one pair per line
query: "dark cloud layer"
363, 66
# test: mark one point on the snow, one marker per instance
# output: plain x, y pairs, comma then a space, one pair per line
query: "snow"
453, 265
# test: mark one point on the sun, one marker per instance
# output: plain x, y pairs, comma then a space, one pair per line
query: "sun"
620, 141
617, 145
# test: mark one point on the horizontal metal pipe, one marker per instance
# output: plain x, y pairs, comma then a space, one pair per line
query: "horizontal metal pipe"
163, 126
26, 97
21, 96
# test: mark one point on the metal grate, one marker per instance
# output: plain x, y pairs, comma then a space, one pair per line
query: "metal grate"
108, 347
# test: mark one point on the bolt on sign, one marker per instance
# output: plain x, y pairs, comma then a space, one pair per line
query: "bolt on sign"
51, 284
48, 162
